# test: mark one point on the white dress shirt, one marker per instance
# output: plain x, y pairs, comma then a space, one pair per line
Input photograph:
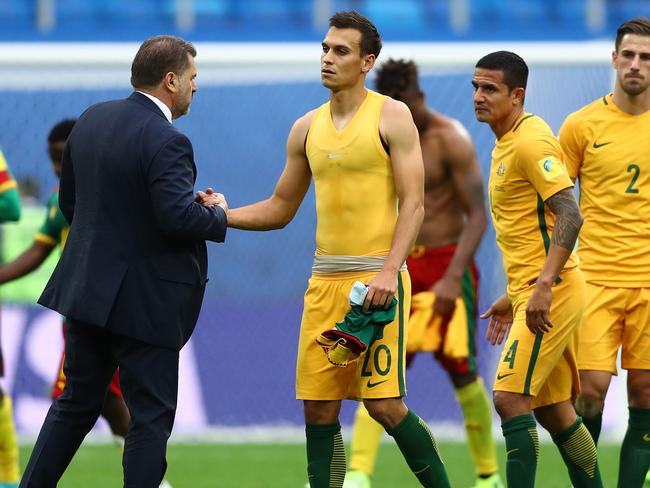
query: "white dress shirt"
164, 108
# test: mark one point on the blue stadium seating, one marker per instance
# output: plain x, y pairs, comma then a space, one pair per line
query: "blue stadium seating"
293, 19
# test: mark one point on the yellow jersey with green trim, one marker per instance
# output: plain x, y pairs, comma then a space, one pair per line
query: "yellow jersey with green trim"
356, 199
608, 150
526, 170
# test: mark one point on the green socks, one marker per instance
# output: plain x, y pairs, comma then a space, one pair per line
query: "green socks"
419, 448
635, 451
579, 453
593, 425
522, 449
325, 456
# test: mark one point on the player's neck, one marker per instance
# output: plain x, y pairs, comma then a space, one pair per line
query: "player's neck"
503, 126
345, 102
633, 105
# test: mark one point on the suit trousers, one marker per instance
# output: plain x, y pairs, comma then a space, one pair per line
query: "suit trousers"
149, 380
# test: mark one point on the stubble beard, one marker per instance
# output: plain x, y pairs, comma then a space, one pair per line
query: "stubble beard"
634, 90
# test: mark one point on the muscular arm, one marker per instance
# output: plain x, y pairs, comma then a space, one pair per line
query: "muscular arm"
460, 159
27, 262
568, 221
567, 226
277, 211
396, 125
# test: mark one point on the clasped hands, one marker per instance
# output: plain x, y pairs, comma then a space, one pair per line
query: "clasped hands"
210, 198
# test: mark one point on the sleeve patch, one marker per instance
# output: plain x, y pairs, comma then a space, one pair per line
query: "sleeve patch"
551, 167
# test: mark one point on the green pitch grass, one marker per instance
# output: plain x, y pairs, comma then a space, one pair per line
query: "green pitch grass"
283, 466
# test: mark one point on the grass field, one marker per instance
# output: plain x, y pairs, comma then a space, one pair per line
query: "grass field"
283, 466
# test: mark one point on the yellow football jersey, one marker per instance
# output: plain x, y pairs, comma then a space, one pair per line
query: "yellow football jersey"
526, 170
356, 199
609, 151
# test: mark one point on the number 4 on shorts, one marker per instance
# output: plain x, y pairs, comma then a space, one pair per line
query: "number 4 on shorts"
510, 356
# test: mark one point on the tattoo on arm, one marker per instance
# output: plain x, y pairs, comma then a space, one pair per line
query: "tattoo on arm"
568, 218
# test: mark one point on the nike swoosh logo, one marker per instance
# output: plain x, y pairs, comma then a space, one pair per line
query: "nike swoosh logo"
422, 470
501, 376
646, 437
512, 450
596, 146
334, 155
372, 385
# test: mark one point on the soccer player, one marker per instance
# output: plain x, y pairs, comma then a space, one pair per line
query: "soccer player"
606, 146
9, 464
363, 152
441, 261
53, 233
536, 220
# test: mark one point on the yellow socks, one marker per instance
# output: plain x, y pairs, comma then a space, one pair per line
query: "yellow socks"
9, 466
366, 436
476, 408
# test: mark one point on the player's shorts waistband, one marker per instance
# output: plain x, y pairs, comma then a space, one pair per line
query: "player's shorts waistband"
329, 264
419, 251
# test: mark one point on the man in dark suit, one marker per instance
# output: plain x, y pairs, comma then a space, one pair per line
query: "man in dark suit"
133, 272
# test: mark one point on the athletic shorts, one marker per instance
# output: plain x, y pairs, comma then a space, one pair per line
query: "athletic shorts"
59, 383
615, 317
452, 340
377, 373
545, 366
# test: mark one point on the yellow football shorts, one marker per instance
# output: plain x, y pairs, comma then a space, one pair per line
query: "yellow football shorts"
426, 328
615, 317
544, 366
377, 373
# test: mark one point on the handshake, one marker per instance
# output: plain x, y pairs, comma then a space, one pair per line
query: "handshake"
209, 198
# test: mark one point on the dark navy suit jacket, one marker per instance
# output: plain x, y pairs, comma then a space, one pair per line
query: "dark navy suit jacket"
135, 261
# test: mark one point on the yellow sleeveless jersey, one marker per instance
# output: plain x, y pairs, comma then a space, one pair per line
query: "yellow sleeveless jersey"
356, 200
609, 151
526, 170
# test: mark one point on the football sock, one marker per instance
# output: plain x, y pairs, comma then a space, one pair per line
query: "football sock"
9, 467
522, 449
366, 436
476, 408
325, 456
635, 451
419, 448
593, 425
579, 453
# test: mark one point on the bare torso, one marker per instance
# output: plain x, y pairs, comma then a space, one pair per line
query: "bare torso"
444, 210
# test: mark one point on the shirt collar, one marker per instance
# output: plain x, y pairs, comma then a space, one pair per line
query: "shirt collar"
164, 108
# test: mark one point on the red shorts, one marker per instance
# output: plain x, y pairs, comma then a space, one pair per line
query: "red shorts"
59, 383
426, 267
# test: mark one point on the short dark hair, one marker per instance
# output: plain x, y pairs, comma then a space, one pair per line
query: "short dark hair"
638, 25
397, 77
61, 131
515, 70
370, 38
158, 56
